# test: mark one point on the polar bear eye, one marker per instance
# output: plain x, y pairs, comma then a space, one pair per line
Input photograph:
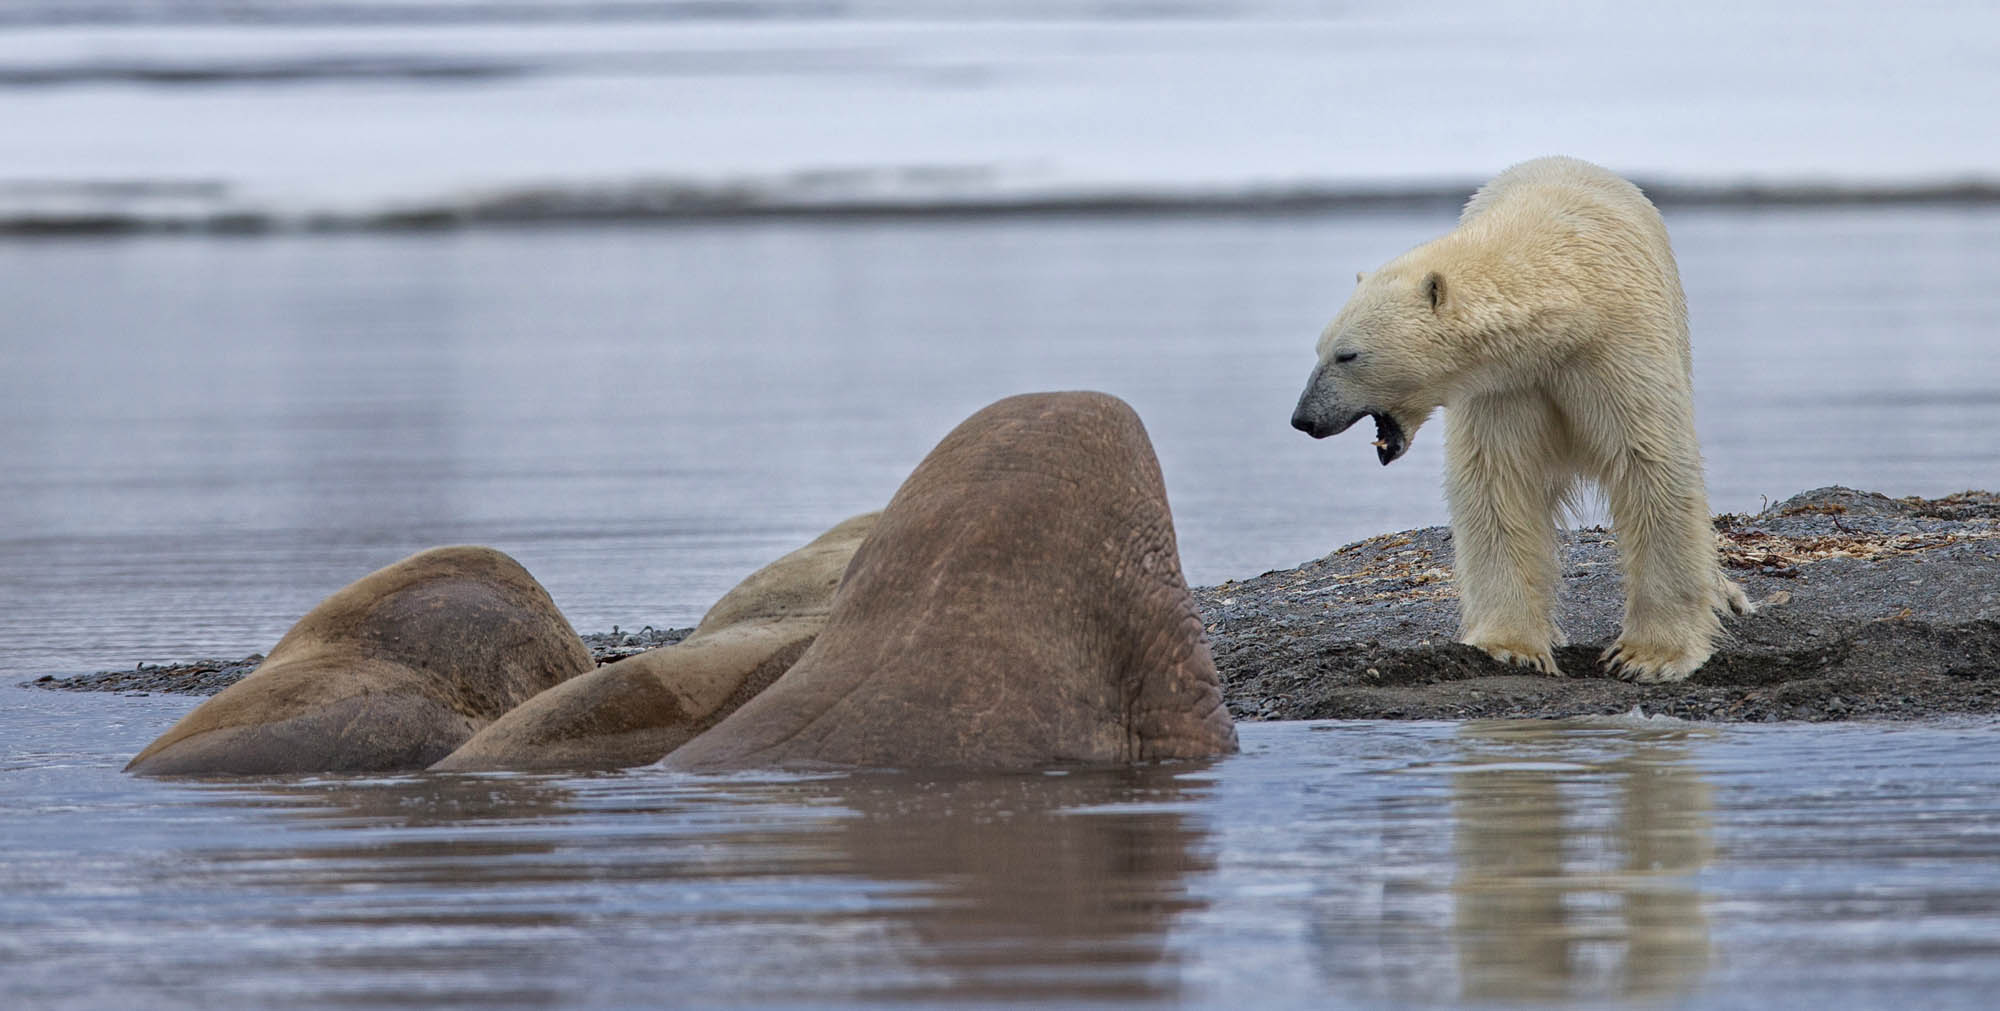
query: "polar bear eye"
1345, 356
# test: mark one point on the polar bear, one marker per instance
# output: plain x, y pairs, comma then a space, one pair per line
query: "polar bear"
1551, 327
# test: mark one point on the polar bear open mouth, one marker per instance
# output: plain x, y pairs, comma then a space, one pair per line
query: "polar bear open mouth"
1389, 440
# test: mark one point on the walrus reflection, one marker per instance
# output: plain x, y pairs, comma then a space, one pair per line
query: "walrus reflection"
366, 864
1550, 906
795, 891
414, 801
1033, 886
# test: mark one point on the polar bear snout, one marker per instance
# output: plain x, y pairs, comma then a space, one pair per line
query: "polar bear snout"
1319, 429
1320, 415
1321, 412
1313, 419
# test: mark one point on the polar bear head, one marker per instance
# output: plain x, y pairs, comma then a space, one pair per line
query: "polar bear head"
1388, 355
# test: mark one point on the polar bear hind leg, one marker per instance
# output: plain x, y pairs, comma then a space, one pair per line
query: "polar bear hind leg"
1673, 589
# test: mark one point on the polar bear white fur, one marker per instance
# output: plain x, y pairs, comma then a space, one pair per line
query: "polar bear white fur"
1551, 327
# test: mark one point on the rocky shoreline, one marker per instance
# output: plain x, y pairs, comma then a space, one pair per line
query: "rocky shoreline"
208, 676
1871, 608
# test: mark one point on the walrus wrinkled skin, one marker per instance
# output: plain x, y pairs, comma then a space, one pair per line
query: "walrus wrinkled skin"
636, 710
391, 672
1019, 604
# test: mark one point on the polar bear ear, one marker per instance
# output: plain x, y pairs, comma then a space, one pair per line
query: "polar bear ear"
1434, 289
1360, 276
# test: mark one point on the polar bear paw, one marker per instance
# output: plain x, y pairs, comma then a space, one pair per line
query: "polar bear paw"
1652, 663
1519, 654
1734, 600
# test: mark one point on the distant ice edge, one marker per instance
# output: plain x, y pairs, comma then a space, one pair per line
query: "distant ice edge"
36, 207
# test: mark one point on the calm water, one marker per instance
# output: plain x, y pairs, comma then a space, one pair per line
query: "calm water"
205, 437
1357, 864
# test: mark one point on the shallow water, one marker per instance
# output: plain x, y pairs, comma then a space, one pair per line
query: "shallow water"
204, 437
1353, 864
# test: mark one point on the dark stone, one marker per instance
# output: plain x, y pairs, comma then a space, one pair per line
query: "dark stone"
1893, 613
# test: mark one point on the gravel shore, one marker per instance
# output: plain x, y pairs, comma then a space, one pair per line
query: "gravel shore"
1870, 608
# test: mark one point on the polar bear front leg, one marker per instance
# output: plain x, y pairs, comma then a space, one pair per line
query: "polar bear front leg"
1673, 584
1503, 491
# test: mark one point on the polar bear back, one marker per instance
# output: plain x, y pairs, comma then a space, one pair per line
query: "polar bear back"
1578, 213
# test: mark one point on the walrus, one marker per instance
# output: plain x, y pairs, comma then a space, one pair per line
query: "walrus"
391, 672
636, 710
1020, 603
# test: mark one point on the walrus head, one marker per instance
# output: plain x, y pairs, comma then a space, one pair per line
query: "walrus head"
1020, 603
391, 672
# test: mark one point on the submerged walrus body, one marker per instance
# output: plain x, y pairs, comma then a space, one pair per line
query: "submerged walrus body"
636, 710
391, 672
1020, 603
